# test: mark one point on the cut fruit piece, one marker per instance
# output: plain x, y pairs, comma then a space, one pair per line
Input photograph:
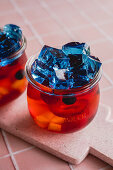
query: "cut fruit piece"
3, 91
36, 107
20, 85
42, 125
44, 119
54, 127
58, 120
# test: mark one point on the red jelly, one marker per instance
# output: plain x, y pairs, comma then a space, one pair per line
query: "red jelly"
62, 110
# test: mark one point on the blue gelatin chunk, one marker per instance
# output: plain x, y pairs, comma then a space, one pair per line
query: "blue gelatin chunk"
10, 38
50, 63
13, 31
71, 67
74, 48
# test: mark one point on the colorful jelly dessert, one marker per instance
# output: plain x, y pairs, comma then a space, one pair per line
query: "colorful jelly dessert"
12, 63
63, 89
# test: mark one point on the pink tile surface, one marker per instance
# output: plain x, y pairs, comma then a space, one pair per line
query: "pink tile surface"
89, 21
93, 33
11, 17
17, 144
56, 39
3, 148
47, 26
92, 163
6, 164
103, 50
41, 160
33, 46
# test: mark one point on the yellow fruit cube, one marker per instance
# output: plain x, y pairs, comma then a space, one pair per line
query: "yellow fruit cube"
58, 120
3, 91
54, 127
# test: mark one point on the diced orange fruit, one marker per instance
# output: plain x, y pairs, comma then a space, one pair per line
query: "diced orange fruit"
19, 84
3, 91
44, 119
42, 125
54, 127
36, 107
49, 115
58, 120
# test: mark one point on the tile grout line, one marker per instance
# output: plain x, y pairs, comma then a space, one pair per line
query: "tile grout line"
97, 41
27, 22
23, 150
70, 166
108, 166
108, 78
54, 16
10, 151
104, 8
5, 156
6, 12
17, 152
106, 88
108, 61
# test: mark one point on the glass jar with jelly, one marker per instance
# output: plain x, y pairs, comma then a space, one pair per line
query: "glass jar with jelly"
12, 62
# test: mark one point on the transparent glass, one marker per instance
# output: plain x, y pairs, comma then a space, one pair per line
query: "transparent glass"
12, 75
62, 110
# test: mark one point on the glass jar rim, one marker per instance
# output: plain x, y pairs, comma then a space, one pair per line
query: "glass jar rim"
59, 92
19, 52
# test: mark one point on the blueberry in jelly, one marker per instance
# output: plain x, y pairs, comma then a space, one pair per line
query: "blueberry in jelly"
20, 75
69, 100
13, 31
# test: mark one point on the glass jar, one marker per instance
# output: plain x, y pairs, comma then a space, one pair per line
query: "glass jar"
62, 110
12, 75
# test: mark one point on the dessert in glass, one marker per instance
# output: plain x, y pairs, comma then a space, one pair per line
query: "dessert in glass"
63, 87
12, 63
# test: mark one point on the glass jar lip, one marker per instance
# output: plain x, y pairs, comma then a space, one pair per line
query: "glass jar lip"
17, 53
59, 92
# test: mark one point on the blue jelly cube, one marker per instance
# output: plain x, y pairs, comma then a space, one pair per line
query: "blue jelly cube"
74, 48
49, 60
13, 31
